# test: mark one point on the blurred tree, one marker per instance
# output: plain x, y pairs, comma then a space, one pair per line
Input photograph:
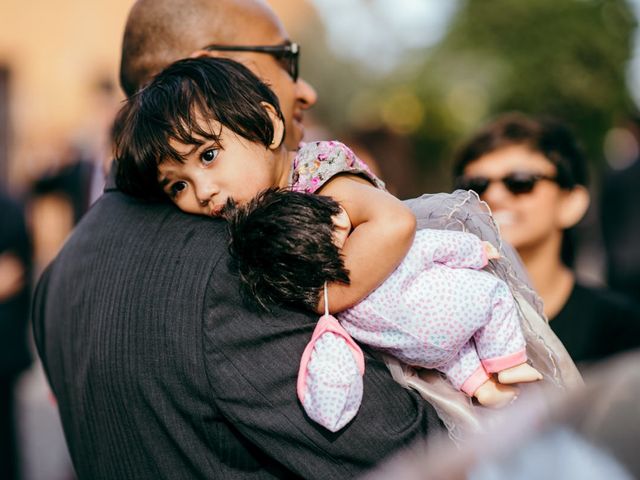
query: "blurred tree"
565, 58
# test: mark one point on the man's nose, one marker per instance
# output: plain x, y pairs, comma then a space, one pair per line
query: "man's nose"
307, 95
496, 194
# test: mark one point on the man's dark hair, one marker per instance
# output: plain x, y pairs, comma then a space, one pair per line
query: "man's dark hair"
544, 135
282, 242
181, 102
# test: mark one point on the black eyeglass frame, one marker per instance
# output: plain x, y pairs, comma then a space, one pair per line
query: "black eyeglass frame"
530, 179
289, 51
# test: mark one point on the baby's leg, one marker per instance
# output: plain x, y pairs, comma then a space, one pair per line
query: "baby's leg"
500, 343
467, 374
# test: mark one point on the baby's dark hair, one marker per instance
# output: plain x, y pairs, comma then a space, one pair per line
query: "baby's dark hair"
181, 102
282, 242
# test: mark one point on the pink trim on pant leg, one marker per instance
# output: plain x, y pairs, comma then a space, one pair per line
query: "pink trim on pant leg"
327, 323
474, 381
498, 364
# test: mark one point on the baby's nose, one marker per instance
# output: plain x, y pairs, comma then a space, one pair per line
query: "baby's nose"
205, 192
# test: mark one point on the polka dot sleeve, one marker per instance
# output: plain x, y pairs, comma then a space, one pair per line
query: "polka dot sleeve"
453, 249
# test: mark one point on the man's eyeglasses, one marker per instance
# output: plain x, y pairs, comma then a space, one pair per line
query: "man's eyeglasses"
287, 54
516, 182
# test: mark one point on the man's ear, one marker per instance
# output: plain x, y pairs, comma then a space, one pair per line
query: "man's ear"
573, 206
278, 125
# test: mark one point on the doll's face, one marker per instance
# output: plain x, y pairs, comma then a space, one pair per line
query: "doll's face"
526, 220
341, 228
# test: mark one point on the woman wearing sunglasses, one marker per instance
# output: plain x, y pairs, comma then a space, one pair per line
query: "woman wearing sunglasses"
534, 177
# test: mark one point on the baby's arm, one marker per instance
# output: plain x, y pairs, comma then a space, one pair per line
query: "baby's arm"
382, 233
456, 249
330, 376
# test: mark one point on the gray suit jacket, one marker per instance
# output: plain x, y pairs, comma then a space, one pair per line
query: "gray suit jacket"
160, 372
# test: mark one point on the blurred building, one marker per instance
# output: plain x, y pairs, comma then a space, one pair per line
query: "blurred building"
52, 56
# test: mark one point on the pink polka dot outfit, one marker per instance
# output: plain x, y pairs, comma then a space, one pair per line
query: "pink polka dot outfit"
436, 310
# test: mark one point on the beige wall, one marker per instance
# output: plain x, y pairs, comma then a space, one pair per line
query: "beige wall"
56, 50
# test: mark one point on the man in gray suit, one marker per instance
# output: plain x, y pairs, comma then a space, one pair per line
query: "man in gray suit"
159, 369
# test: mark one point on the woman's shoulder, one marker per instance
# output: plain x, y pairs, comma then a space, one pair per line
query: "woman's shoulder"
597, 322
317, 162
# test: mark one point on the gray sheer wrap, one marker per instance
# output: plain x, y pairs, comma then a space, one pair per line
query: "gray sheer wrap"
464, 211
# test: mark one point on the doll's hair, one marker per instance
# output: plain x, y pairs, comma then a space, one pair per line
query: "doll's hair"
180, 103
282, 244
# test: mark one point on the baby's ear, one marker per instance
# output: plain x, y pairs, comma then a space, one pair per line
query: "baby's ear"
341, 227
278, 125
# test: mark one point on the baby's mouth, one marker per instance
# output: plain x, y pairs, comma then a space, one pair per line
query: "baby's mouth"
217, 210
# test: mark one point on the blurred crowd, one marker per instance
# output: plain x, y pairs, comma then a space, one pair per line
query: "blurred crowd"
33, 226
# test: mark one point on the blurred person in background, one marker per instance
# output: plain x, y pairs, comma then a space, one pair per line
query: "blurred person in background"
57, 201
619, 208
62, 194
587, 434
15, 260
533, 176
158, 368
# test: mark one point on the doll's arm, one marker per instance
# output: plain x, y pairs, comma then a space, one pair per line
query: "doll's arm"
455, 249
382, 232
330, 376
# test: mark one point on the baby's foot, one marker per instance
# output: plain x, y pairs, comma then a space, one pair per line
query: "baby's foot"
520, 373
495, 395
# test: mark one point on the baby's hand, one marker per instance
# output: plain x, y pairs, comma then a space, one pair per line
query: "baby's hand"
491, 251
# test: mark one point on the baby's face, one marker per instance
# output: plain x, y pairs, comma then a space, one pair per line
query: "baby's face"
214, 172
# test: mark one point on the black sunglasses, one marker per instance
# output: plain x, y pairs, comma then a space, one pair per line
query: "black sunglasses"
516, 182
288, 54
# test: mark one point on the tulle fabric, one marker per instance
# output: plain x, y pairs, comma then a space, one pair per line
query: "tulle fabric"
464, 211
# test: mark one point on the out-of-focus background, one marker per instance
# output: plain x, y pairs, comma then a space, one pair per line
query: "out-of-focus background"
402, 81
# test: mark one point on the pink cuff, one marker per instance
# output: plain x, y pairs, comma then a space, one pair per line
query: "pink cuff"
476, 379
327, 323
498, 364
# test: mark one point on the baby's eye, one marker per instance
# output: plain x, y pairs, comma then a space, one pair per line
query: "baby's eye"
209, 155
176, 188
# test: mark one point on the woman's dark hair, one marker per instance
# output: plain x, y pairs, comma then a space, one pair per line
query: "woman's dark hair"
181, 102
543, 135
282, 243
